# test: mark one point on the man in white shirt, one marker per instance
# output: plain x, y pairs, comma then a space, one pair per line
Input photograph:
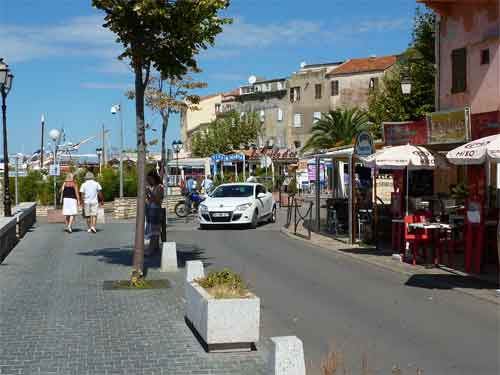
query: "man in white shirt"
91, 195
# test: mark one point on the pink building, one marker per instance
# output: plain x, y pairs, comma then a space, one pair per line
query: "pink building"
469, 60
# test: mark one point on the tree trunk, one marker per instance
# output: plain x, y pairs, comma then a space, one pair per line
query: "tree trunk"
141, 170
165, 117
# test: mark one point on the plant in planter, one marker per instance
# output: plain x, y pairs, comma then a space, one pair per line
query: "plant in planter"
222, 312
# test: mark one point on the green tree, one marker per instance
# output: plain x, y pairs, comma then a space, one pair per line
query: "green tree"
337, 128
418, 62
227, 133
161, 35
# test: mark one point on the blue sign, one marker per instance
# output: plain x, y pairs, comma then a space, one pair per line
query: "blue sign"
227, 158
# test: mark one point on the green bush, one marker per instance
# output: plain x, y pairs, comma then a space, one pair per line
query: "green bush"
224, 284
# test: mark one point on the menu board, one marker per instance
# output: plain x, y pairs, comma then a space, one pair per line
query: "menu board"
449, 126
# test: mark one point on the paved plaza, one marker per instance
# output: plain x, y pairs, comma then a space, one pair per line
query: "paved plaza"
55, 317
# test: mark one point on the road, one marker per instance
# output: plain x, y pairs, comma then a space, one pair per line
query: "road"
330, 300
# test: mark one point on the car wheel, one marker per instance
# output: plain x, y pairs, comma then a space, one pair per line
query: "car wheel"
272, 218
255, 220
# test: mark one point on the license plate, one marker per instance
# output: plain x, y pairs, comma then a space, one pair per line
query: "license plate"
220, 214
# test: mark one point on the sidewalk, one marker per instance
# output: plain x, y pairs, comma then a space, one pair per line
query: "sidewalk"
432, 278
55, 317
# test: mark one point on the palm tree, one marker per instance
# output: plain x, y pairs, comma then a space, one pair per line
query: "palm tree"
337, 128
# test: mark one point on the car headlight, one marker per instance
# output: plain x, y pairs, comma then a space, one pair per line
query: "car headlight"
243, 207
203, 208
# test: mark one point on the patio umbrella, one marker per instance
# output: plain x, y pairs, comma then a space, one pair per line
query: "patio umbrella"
476, 152
407, 157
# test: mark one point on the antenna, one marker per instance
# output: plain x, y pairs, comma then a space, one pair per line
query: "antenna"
252, 79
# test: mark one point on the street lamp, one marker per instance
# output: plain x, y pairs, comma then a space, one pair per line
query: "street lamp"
406, 81
6, 78
55, 134
176, 147
114, 109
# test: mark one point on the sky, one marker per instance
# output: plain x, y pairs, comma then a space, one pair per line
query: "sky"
65, 63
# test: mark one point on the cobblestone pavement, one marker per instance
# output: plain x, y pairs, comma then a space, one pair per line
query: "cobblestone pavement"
55, 317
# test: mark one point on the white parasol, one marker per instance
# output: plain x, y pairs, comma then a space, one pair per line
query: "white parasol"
408, 156
476, 152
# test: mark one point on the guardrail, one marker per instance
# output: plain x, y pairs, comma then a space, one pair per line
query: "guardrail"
294, 212
15, 227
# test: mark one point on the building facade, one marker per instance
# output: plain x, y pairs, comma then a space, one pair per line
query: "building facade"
308, 96
350, 84
468, 56
195, 118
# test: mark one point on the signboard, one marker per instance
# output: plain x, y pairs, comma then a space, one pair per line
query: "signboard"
449, 127
385, 188
311, 172
403, 133
54, 170
227, 158
485, 124
364, 144
22, 173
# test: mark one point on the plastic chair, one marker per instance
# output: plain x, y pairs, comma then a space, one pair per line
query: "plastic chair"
414, 238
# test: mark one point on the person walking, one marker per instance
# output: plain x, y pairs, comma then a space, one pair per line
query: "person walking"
154, 199
91, 195
70, 200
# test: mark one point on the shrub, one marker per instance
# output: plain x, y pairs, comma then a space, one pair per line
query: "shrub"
224, 284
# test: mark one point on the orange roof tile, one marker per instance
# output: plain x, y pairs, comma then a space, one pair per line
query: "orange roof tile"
369, 64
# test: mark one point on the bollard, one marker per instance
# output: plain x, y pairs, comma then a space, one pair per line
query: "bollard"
194, 270
169, 257
287, 356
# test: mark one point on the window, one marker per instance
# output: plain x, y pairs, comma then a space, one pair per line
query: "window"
297, 144
317, 91
316, 117
459, 70
279, 86
294, 94
335, 88
217, 108
259, 189
297, 120
485, 56
262, 116
280, 114
373, 86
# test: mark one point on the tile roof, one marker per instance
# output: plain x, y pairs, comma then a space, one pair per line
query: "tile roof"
206, 97
369, 64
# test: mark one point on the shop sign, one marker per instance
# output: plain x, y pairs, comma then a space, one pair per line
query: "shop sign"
364, 144
449, 126
227, 158
403, 133
311, 172
485, 124
385, 188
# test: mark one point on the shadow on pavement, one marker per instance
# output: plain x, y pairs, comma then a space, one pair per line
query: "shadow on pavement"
123, 256
448, 282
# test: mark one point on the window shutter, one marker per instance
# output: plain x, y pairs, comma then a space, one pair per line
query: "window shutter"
459, 70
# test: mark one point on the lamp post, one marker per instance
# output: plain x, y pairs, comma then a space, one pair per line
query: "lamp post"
99, 155
6, 78
114, 109
176, 147
18, 155
55, 134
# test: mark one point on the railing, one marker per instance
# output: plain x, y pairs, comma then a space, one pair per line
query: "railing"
294, 214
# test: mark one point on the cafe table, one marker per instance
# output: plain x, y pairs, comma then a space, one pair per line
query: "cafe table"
434, 228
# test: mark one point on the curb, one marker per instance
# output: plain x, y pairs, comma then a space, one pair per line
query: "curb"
495, 299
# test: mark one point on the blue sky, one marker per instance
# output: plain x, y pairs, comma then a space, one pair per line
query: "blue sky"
65, 63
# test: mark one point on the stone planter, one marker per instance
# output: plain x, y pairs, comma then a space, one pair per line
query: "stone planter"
222, 324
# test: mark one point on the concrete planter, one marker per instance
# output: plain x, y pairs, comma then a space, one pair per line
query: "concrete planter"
222, 324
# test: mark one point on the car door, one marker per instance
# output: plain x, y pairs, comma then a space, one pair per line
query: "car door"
260, 202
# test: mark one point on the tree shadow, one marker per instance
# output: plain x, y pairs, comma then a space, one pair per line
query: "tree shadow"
444, 282
123, 256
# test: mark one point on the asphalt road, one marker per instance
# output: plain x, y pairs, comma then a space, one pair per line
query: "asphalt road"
329, 300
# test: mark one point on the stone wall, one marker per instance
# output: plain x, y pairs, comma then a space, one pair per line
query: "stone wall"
125, 208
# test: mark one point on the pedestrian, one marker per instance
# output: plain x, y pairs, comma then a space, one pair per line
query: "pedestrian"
154, 199
92, 196
252, 178
207, 184
190, 188
70, 200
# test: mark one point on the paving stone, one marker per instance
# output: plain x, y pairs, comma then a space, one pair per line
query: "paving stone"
55, 317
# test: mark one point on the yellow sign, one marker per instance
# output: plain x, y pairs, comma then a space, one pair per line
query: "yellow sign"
449, 127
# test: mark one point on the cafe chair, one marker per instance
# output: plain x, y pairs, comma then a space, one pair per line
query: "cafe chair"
415, 238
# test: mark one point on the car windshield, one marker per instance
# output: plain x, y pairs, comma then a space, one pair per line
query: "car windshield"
233, 191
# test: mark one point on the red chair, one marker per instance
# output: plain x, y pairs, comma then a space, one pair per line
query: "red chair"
416, 237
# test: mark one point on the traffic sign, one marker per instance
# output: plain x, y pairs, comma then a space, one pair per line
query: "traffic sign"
54, 170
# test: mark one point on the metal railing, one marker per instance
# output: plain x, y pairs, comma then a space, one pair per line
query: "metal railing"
295, 215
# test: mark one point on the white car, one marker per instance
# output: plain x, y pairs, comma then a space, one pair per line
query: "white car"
244, 203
